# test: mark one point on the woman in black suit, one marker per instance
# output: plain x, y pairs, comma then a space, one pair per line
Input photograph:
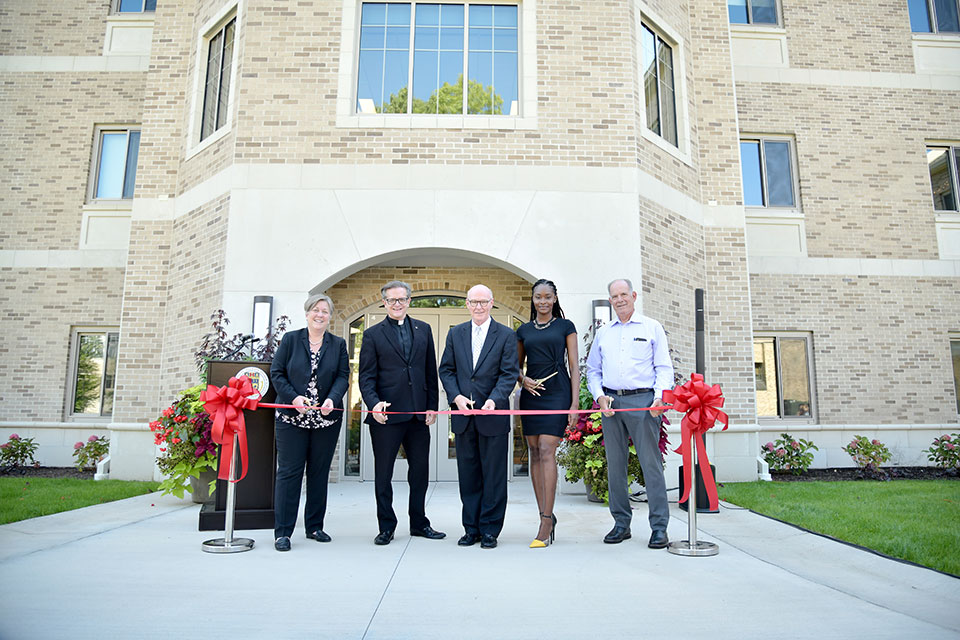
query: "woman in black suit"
310, 368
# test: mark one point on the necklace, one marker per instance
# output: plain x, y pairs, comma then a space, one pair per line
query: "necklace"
315, 343
541, 327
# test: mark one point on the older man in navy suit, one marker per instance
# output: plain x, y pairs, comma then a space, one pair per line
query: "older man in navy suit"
480, 367
398, 372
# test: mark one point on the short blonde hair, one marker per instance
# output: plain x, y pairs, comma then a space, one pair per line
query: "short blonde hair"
314, 299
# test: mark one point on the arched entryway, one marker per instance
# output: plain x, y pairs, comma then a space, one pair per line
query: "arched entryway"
438, 299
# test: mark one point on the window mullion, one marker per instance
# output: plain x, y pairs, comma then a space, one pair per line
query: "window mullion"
749, 11
952, 163
223, 48
763, 172
103, 375
779, 374
466, 59
410, 54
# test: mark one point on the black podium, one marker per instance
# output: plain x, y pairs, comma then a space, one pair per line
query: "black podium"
254, 494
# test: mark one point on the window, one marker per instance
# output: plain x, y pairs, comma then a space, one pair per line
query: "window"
934, 16
752, 11
216, 91
115, 163
135, 6
767, 170
943, 163
432, 47
783, 375
955, 355
658, 86
93, 374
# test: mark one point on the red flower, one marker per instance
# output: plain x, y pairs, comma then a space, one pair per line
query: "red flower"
168, 412
176, 441
92, 439
575, 436
14, 436
78, 445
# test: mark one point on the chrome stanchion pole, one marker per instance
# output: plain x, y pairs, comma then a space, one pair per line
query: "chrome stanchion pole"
690, 546
227, 544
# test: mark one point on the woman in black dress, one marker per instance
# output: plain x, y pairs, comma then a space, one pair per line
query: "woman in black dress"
548, 343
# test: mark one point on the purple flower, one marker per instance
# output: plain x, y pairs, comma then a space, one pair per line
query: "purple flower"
92, 439
14, 436
4, 445
769, 446
875, 443
78, 445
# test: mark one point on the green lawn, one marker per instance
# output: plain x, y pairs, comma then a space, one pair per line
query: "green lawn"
23, 497
916, 520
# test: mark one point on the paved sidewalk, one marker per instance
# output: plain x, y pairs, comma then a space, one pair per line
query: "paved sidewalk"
134, 569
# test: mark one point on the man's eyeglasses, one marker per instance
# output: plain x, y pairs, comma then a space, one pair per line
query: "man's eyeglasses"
478, 303
392, 301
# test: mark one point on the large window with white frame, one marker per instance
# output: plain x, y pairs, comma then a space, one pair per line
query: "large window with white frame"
943, 162
218, 77
934, 16
784, 376
416, 57
759, 12
93, 372
768, 172
114, 171
134, 6
659, 86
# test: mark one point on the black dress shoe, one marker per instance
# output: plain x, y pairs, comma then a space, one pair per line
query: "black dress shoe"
319, 536
282, 543
658, 540
468, 539
488, 541
384, 537
617, 535
428, 532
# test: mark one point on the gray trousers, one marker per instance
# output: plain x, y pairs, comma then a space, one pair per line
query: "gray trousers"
644, 430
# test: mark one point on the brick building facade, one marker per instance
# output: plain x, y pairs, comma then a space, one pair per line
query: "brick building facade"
163, 162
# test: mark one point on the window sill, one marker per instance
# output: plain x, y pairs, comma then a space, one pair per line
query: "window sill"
935, 53
776, 233
208, 141
948, 234
422, 121
759, 46
756, 29
128, 34
682, 156
106, 225
774, 212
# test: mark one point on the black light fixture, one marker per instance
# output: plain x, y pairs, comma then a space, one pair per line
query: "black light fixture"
601, 312
262, 323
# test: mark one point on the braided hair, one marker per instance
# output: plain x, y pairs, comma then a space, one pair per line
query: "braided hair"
557, 311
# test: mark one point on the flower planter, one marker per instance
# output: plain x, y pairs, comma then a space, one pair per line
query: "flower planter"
200, 487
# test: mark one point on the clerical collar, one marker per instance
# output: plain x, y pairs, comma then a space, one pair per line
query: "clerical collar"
398, 323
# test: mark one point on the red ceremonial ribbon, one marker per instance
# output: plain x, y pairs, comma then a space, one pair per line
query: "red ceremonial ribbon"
701, 405
225, 406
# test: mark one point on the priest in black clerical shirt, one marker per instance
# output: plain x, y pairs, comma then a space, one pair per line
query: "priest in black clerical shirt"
398, 374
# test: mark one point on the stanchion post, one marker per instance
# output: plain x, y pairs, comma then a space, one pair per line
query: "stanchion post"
227, 544
690, 546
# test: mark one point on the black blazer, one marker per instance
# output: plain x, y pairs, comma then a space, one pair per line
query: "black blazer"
494, 378
385, 375
290, 370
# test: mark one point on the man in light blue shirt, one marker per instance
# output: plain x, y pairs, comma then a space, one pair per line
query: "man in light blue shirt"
629, 366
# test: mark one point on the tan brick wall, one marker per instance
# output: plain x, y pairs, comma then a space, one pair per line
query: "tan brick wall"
881, 345
861, 35
864, 181
53, 27
727, 321
145, 301
41, 306
47, 125
197, 256
672, 254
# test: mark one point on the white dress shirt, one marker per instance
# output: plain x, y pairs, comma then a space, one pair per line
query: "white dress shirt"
630, 355
478, 337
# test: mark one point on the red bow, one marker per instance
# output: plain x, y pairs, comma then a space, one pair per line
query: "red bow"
701, 404
225, 406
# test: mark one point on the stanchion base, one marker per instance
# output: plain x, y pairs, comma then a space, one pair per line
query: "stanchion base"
220, 545
699, 548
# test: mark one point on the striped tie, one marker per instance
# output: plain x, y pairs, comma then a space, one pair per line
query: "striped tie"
477, 344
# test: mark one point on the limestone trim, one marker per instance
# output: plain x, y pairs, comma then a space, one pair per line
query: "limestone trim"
76, 64
63, 258
854, 267
834, 78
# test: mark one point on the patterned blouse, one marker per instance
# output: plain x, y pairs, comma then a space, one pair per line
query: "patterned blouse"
312, 419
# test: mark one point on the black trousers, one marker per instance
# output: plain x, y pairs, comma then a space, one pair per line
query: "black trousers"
298, 448
482, 472
386, 440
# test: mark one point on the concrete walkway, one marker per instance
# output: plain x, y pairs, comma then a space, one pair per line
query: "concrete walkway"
134, 569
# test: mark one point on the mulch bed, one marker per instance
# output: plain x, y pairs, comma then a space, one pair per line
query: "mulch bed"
852, 473
46, 472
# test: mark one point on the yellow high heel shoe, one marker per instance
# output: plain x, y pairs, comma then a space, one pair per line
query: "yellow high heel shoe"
543, 544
